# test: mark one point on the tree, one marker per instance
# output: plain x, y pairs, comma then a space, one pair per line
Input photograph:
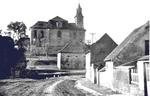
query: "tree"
18, 28
9, 56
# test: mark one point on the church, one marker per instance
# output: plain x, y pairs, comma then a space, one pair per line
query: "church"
58, 36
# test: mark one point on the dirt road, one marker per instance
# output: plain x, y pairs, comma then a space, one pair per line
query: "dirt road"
58, 86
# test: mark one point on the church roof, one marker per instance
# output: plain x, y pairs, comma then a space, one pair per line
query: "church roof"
52, 25
123, 53
57, 18
74, 27
101, 48
40, 25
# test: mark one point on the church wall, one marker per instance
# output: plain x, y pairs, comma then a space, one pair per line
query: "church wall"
50, 39
72, 61
40, 34
78, 35
39, 41
55, 40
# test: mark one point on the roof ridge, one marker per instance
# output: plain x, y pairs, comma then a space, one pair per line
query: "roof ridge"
125, 42
67, 44
104, 35
57, 17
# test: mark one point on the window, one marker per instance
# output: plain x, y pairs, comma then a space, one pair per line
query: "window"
59, 34
146, 47
35, 34
59, 24
42, 34
134, 76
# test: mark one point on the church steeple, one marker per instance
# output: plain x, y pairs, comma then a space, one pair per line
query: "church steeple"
79, 17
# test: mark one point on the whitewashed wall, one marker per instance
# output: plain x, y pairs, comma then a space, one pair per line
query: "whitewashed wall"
92, 77
59, 61
140, 74
88, 63
109, 74
106, 77
140, 67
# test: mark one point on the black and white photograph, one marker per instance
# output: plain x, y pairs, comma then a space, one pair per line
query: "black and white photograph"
74, 48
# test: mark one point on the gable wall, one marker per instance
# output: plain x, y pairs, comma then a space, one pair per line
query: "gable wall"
72, 61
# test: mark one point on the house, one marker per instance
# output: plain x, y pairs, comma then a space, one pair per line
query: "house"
122, 64
72, 56
51, 38
96, 54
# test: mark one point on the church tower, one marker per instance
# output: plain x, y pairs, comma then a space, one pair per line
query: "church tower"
79, 17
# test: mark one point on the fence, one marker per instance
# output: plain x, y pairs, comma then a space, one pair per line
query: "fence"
134, 76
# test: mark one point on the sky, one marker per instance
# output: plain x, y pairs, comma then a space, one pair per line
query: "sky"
117, 18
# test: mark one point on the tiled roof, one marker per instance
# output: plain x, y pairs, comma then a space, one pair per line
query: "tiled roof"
73, 47
128, 46
101, 48
74, 27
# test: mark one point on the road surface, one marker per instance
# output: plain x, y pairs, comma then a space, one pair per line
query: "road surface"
58, 86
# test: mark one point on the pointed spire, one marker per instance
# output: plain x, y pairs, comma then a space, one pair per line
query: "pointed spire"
79, 10
79, 7
79, 17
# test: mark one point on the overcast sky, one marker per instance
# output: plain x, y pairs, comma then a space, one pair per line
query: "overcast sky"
117, 18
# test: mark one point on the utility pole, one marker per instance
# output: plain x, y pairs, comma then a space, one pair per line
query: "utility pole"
92, 34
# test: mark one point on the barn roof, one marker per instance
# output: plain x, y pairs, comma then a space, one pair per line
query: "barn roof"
101, 48
124, 48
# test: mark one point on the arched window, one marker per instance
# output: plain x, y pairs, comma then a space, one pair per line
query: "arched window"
59, 24
35, 34
42, 34
59, 34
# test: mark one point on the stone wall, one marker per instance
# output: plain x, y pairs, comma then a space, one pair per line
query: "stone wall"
72, 61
